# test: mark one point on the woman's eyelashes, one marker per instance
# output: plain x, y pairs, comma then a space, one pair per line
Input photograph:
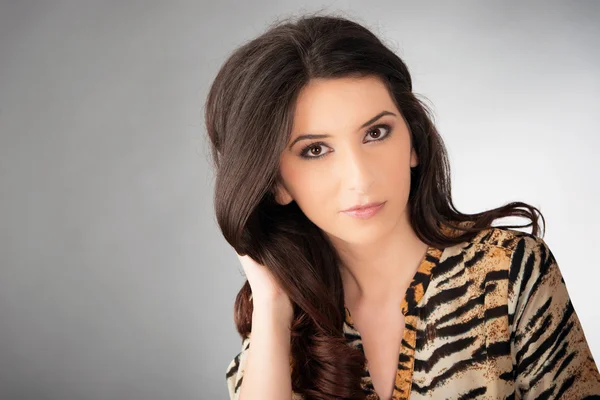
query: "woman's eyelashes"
318, 145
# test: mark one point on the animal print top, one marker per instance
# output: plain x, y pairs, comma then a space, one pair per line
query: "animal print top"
490, 318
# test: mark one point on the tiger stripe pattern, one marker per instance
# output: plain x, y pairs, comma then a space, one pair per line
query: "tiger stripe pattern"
489, 318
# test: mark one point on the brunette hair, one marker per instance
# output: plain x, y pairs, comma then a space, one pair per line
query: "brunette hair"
248, 116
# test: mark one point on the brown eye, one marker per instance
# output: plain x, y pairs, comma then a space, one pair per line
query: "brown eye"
315, 150
376, 133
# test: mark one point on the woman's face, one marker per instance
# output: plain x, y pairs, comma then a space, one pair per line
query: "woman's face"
352, 164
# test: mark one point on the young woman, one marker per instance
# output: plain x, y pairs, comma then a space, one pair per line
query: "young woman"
364, 281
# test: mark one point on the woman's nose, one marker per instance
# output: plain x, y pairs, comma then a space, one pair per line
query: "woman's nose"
358, 170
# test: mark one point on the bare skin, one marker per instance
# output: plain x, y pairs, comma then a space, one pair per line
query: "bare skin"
267, 374
381, 336
376, 313
374, 287
365, 157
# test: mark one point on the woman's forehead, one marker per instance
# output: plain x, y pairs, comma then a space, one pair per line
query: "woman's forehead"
340, 103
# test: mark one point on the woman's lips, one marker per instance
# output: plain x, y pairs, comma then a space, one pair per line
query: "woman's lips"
364, 213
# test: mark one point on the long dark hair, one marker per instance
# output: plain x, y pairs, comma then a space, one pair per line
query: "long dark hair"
248, 116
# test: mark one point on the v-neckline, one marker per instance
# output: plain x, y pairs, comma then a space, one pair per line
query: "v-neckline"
414, 293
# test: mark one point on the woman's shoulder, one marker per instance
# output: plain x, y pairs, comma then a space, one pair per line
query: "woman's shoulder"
505, 238
495, 258
504, 265
492, 244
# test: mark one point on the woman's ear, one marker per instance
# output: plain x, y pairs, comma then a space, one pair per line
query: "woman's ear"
414, 159
282, 196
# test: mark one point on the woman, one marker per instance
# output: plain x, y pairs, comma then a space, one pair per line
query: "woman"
404, 296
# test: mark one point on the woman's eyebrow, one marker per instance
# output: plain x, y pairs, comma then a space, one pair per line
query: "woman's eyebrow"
321, 136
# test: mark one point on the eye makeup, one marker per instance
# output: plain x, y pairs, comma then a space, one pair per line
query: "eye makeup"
305, 151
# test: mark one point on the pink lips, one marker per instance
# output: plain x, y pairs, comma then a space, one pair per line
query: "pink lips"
364, 212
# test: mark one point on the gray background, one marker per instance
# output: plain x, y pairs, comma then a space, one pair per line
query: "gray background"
115, 282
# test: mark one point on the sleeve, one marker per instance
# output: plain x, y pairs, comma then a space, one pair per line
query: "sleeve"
551, 357
235, 370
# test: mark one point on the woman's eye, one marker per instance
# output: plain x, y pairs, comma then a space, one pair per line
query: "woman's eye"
377, 130
314, 150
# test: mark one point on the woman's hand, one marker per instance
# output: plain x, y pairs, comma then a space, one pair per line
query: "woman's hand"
267, 295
